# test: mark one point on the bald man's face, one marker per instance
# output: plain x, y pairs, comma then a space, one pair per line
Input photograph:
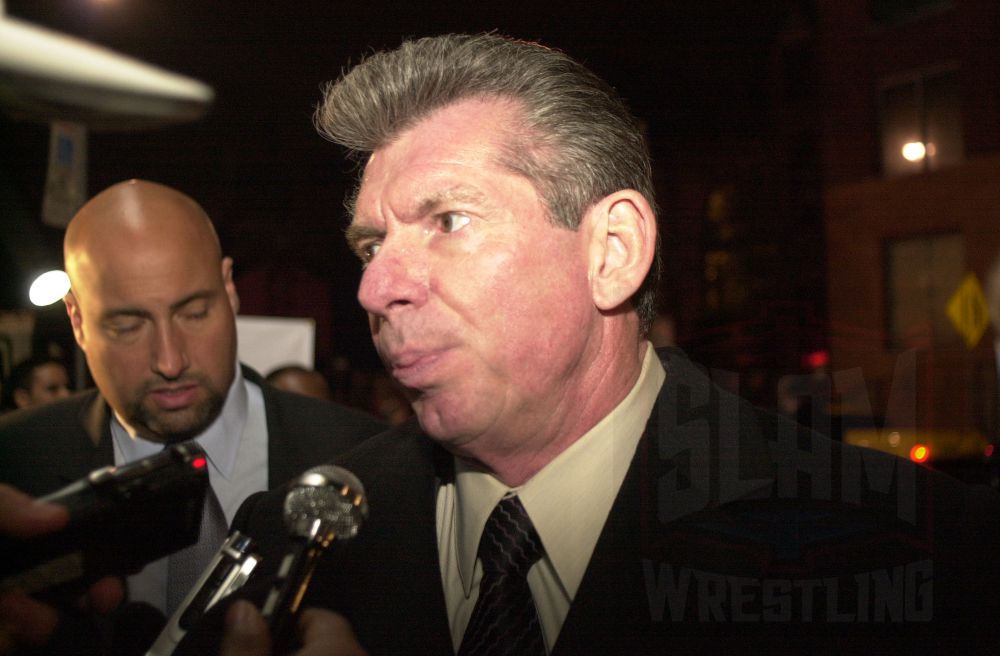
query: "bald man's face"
154, 313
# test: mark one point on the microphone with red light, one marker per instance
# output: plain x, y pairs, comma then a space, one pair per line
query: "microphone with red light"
120, 519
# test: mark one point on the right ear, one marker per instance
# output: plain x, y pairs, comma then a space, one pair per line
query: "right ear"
75, 318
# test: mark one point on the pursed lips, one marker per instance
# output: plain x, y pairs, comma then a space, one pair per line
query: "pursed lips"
413, 368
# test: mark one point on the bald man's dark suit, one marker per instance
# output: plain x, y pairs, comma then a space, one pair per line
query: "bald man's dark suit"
713, 515
49, 446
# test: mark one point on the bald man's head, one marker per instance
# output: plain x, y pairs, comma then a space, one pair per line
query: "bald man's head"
152, 303
135, 212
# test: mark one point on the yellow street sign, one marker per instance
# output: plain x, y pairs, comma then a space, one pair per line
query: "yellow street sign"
968, 311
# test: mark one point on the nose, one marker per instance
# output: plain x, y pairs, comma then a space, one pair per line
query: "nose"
396, 278
169, 357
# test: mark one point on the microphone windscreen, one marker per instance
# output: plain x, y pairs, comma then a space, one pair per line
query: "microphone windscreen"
326, 501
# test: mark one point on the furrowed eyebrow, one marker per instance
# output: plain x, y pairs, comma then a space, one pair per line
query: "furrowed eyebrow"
355, 234
451, 195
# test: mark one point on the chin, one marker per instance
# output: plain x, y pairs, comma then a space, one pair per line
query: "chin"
176, 426
445, 423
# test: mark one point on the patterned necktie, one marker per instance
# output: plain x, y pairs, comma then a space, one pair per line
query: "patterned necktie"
184, 567
504, 621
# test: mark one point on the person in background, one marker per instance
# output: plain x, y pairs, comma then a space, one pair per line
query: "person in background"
152, 305
296, 378
35, 381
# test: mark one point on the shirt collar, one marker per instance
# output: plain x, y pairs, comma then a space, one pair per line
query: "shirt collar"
570, 498
221, 440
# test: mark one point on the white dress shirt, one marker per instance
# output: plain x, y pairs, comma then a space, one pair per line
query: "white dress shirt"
568, 502
236, 446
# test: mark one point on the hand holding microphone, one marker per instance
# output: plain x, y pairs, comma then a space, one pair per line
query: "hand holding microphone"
322, 505
325, 504
323, 632
24, 620
119, 519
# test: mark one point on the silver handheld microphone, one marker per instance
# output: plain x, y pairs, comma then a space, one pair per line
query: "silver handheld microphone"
326, 503
228, 570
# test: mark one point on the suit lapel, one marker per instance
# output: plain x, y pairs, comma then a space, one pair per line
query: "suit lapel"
675, 474
280, 467
95, 417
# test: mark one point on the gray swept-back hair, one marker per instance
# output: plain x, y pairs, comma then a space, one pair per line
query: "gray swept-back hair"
578, 144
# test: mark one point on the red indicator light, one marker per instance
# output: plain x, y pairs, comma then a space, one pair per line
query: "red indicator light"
920, 453
817, 359
199, 463
988, 451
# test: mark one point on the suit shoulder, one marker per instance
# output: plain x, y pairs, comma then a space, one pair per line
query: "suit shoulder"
57, 415
317, 410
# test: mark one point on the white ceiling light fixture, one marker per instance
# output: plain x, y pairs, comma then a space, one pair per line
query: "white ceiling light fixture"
46, 75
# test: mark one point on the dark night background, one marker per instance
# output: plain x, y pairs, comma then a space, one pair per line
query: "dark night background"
796, 238
697, 73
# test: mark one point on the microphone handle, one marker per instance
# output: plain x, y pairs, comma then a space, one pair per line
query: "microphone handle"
282, 605
227, 572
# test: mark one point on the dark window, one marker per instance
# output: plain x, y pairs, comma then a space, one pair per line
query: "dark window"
921, 122
923, 274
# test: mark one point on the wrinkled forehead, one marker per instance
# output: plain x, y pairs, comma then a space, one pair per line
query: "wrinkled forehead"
454, 143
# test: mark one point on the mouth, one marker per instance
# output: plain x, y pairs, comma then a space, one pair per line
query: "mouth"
174, 397
414, 369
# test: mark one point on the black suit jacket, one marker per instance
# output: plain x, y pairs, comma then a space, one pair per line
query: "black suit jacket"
49, 446
733, 529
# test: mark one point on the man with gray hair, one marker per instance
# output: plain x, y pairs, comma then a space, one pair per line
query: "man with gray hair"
566, 488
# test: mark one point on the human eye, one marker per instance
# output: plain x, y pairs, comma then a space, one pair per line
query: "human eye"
453, 221
365, 241
195, 310
367, 250
124, 326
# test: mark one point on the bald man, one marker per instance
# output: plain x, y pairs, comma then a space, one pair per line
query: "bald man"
153, 306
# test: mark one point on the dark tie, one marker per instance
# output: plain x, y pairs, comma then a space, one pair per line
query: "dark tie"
504, 621
186, 566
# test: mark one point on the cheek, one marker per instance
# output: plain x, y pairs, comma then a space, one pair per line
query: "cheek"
212, 350
534, 305
118, 370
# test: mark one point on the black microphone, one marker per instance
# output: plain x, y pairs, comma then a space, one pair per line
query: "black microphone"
324, 504
228, 570
120, 519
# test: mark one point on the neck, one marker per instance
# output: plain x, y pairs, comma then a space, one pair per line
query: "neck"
514, 459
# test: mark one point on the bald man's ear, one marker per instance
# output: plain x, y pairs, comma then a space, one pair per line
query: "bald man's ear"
227, 280
622, 244
75, 318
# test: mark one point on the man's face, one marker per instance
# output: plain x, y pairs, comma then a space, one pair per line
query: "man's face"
156, 321
478, 304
